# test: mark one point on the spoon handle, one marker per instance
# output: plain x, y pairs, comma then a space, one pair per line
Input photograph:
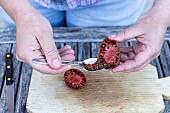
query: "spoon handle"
43, 61
71, 62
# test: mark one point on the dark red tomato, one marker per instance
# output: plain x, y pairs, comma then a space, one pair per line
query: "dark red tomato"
74, 78
109, 52
108, 56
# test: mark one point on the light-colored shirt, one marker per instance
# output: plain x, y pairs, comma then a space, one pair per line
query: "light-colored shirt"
71, 3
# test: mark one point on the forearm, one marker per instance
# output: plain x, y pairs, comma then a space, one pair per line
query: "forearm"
162, 8
16, 8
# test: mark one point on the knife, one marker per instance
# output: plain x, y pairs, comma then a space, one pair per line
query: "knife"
9, 82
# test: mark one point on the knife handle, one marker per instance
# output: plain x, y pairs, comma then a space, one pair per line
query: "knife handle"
9, 69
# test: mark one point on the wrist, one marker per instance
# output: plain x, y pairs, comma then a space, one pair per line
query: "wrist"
25, 16
161, 11
17, 9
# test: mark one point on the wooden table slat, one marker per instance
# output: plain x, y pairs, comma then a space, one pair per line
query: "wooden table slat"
3, 101
22, 94
167, 106
164, 57
72, 34
131, 43
59, 45
158, 67
94, 49
167, 103
124, 44
83, 51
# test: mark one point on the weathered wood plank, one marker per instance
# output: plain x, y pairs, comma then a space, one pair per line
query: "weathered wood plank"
74, 46
75, 34
94, 49
83, 51
4, 48
3, 101
165, 57
167, 106
156, 63
167, 103
124, 44
59, 45
23, 88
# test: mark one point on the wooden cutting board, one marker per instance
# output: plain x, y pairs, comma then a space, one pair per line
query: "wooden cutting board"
104, 92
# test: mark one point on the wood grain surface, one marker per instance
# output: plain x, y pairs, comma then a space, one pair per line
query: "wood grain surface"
104, 92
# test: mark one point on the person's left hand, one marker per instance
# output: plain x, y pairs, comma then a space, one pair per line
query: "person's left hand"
149, 31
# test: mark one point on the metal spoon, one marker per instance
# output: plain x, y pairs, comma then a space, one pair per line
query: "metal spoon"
82, 64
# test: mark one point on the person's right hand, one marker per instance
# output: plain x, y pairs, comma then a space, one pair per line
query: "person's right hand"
34, 38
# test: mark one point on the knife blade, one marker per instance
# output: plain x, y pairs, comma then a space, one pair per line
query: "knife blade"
9, 82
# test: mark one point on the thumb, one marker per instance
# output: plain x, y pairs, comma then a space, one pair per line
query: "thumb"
126, 34
50, 51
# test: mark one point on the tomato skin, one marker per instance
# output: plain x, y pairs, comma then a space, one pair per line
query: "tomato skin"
74, 78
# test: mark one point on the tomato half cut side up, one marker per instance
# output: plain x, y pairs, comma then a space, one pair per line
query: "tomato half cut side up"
74, 78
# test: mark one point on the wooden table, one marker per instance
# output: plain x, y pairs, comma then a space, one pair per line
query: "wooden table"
84, 41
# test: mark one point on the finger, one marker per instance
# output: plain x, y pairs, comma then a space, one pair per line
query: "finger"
128, 33
124, 57
68, 54
131, 65
49, 48
131, 55
132, 70
126, 49
137, 47
67, 51
128, 56
64, 48
45, 69
70, 57
137, 69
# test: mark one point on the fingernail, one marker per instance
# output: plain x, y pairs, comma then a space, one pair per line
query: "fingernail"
57, 63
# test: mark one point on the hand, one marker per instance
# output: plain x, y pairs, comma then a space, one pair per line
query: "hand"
149, 31
35, 40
